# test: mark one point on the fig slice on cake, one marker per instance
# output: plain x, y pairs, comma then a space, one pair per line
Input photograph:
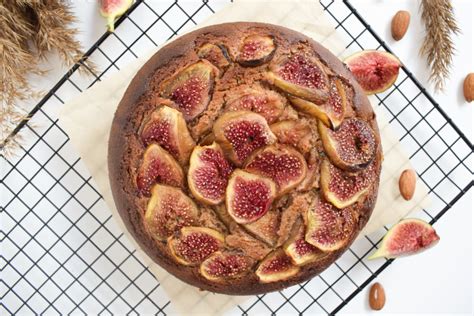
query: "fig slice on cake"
277, 266
293, 133
195, 244
248, 196
225, 265
167, 127
158, 166
240, 133
407, 237
191, 88
208, 174
168, 210
267, 103
300, 251
329, 228
283, 164
375, 71
352, 146
343, 188
256, 50
215, 53
331, 112
302, 76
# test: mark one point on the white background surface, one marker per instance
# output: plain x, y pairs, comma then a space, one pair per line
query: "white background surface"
437, 281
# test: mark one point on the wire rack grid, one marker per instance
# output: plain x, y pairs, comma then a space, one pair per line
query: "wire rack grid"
61, 251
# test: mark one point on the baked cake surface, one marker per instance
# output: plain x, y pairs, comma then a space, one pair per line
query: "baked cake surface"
244, 158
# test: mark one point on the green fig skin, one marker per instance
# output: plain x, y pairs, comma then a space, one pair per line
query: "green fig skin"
112, 10
407, 237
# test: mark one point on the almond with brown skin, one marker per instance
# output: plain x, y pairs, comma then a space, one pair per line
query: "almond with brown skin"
469, 87
400, 22
407, 184
376, 297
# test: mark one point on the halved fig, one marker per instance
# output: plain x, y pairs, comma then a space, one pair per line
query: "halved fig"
158, 166
277, 266
375, 71
225, 265
240, 133
330, 113
300, 251
267, 103
343, 188
195, 244
216, 54
168, 210
283, 164
407, 237
248, 196
294, 133
328, 228
208, 174
167, 128
256, 50
352, 146
302, 76
191, 88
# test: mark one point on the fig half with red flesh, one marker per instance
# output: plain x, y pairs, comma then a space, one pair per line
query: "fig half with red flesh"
302, 76
329, 228
407, 237
343, 188
352, 146
267, 103
248, 196
256, 50
190, 88
330, 113
168, 210
277, 266
283, 164
375, 71
195, 244
215, 53
240, 133
158, 166
167, 127
225, 265
300, 251
208, 174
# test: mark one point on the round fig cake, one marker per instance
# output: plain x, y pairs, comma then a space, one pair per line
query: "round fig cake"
244, 158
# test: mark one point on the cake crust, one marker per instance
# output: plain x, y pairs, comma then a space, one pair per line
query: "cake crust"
139, 101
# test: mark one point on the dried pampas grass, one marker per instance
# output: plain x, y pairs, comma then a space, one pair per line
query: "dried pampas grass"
30, 30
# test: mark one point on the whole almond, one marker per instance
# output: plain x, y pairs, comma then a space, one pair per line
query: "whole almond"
407, 184
469, 87
400, 22
376, 297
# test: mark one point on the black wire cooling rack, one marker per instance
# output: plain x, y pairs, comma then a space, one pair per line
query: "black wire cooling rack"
61, 251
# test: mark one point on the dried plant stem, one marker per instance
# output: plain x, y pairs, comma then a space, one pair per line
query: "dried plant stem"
438, 46
30, 29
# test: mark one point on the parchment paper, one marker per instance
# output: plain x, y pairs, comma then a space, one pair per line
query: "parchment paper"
88, 118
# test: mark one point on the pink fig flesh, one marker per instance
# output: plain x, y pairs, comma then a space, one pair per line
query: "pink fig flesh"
208, 174
277, 266
168, 210
352, 146
409, 236
284, 165
256, 50
158, 166
328, 228
343, 188
224, 265
375, 71
195, 244
248, 196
